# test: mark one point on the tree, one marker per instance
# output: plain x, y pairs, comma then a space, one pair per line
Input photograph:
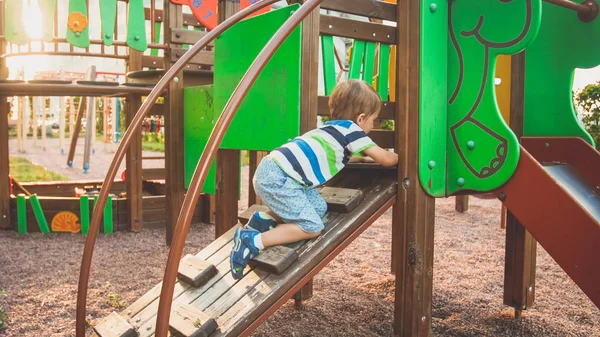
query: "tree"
589, 100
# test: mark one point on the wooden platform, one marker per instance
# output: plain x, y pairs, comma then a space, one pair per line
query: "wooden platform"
237, 305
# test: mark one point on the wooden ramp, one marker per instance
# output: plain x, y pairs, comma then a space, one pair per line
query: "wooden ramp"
240, 306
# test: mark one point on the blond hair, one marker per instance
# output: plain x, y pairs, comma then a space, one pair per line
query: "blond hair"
352, 98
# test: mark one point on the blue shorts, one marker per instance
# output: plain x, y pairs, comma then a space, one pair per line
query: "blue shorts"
291, 201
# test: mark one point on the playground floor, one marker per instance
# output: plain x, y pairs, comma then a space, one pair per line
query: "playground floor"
353, 296
52, 159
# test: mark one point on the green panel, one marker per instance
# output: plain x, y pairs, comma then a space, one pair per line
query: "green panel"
384, 71
108, 15
22, 213
108, 216
47, 10
328, 54
78, 39
270, 113
199, 118
482, 150
13, 26
356, 59
433, 98
563, 44
369, 68
39, 214
136, 26
84, 214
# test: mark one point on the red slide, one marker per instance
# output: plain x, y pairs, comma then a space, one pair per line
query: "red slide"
555, 194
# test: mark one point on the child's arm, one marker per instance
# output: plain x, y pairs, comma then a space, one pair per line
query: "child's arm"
357, 159
383, 157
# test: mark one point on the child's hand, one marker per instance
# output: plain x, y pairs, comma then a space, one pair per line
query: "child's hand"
381, 156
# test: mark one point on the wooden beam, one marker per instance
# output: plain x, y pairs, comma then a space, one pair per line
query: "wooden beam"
521, 247
372, 9
228, 161
254, 160
75, 132
202, 58
174, 153
186, 36
364, 31
414, 213
461, 203
188, 19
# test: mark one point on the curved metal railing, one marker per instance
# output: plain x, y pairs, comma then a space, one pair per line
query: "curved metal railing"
191, 197
90, 242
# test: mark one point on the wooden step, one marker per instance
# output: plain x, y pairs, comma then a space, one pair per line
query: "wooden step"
187, 321
195, 271
114, 325
341, 200
274, 259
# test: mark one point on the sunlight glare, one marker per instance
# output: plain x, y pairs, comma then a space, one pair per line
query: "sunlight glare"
32, 19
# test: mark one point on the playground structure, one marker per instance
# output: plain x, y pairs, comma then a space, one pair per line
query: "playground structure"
143, 194
448, 131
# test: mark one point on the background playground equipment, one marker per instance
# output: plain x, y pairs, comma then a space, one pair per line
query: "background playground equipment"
452, 139
206, 10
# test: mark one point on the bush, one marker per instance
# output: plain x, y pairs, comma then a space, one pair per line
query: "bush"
589, 100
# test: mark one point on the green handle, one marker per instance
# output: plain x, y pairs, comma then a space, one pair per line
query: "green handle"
108, 217
22, 213
84, 209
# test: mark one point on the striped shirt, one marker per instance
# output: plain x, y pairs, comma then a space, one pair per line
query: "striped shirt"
318, 155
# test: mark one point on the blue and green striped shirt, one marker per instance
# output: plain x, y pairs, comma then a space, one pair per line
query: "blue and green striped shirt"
318, 155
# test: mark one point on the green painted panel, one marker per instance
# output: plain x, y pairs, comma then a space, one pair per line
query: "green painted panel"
482, 150
47, 10
270, 113
356, 59
13, 25
136, 26
384, 71
433, 98
199, 118
369, 66
39, 214
84, 214
563, 44
22, 214
78, 11
328, 54
108, 15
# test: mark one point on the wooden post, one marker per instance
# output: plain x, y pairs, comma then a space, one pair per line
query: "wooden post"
42, 107
461, 203
90, 128
255, 158
310, 94
414, 212
133, 164
174, 153
4, 154
228, 161
521, 247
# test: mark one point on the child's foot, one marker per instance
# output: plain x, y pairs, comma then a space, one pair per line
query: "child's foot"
243, 250
261, 223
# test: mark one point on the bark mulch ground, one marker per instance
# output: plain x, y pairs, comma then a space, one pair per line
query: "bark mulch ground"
353, 296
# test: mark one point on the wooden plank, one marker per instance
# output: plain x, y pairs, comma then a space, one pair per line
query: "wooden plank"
274, 259
245, 216
186, 36
187, 321
521, 247
152, 62
67, 188
383, 138
228, 180
215, 253
174, 153
76, 131
387, 108
414, 213
341, 200
133, 160
114, 325
373, 9
359, 30
195, 271
188, 19
203, 57
153, 173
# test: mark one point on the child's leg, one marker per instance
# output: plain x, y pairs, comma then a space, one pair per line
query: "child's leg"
285, 233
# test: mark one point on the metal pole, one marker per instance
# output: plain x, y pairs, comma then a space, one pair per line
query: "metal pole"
579, 8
